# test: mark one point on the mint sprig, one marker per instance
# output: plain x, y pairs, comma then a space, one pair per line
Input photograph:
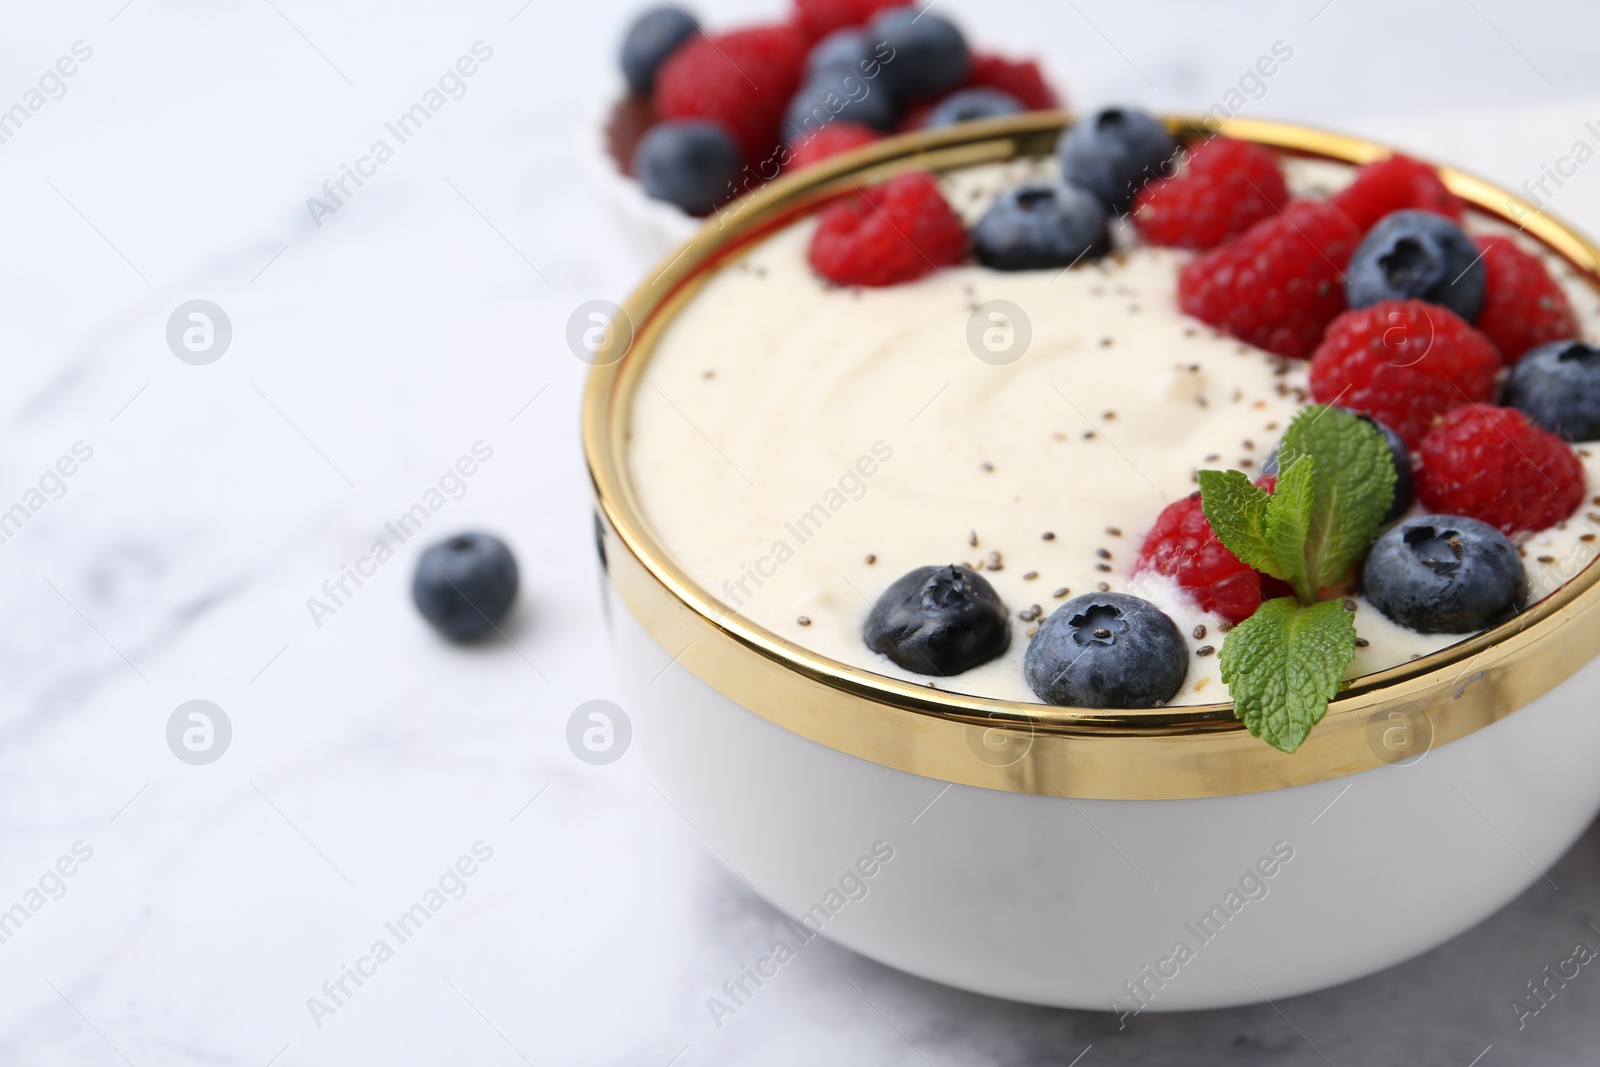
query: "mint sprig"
1336, 480
1284, 663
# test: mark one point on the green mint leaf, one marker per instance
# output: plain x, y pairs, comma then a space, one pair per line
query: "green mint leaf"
1237, 512
1353, 487
1336, 479
1284, 663
1289, 525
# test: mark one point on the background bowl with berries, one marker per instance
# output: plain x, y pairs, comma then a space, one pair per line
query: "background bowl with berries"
705, 115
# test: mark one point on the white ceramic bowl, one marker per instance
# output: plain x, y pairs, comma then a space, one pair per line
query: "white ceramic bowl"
1130, 861
1063, 902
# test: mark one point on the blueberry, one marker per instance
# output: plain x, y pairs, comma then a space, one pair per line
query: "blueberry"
938, 620
1041, 224
969, 105
653, 37
1106, 650
1558, 387
1114, 152
839, 94
464, 585
1417, 255
925, 55
843, 51
1445, 574
1405, 480
691, 164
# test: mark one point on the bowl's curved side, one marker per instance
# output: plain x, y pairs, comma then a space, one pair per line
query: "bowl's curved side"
1124, 904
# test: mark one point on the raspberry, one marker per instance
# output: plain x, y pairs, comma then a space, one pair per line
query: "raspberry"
1523, 307
1493, 465
832, 139
1277, 284
1405, 363
1022, 78
891, 233
1392, 184
1227, 187
742, 80
818, 18
915, 115
1182, 545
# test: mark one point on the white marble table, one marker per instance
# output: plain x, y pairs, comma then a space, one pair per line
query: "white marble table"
208, 903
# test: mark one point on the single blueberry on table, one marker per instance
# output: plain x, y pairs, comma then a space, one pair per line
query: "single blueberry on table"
653, 37
1558, 387
843, 95
691, 164
1041, 224
465, 584
1112, 153
1417, 255
938, 620
925, 54
1405, 477
969, 105
1106, 650
1445, 574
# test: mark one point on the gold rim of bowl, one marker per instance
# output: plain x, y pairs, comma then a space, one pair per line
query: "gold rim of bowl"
1392, 716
